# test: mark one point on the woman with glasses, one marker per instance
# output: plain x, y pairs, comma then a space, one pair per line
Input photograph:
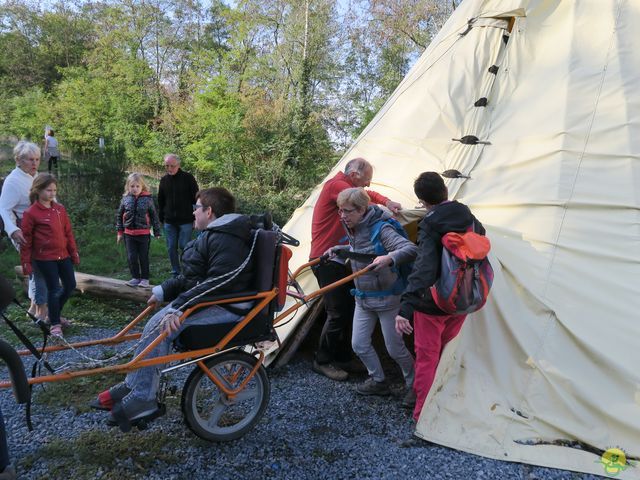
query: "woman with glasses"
371, 230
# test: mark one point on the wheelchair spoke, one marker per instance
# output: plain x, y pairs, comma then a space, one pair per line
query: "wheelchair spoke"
225, 376
247, 394
216, 414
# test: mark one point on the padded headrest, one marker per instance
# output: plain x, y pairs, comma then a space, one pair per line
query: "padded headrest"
264, 221
265, 254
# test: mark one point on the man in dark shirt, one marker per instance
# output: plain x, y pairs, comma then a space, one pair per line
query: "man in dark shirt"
176, 196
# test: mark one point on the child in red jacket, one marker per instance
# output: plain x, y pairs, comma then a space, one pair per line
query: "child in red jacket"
49, 242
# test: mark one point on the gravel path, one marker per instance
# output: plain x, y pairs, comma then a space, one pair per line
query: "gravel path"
313, 429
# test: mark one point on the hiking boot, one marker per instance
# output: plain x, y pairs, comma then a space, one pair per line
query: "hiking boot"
144, 283
352, 366
134, 282
131, 412
409, 399
8, 473
107, 399
371, 387
330, 371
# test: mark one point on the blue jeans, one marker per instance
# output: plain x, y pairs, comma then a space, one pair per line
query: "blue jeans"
177, 237
55, 271
37, 286
144, 381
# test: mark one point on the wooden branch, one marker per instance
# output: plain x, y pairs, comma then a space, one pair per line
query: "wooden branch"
105, 287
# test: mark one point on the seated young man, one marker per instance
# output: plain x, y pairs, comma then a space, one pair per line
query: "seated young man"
222, 247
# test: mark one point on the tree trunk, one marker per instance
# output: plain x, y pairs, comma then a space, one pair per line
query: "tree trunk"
105, 287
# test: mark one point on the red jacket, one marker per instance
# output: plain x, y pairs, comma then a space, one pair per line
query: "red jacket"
326, 229
48, 235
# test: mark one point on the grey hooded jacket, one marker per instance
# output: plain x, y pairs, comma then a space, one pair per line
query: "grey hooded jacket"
400, 249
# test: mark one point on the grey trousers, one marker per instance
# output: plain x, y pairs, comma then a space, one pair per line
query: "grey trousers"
364, 322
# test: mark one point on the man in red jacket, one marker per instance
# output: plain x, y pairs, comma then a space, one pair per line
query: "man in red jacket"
334, 350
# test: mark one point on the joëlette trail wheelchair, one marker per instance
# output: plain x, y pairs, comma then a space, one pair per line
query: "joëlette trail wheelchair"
228, 390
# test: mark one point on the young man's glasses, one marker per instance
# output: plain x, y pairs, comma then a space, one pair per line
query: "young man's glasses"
197, 206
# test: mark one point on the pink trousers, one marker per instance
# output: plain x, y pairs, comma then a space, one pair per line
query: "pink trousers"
431, 334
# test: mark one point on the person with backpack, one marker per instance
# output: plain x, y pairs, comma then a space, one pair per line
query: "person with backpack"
333, 357
433, 327
379, 243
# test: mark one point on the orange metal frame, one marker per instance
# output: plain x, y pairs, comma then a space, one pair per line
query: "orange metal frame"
139, 361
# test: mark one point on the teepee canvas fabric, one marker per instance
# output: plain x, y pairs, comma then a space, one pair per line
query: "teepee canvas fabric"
537, 102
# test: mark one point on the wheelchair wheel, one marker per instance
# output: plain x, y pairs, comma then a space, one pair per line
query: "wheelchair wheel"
210, 413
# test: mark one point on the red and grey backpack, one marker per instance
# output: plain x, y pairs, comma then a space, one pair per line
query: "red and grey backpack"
465, 273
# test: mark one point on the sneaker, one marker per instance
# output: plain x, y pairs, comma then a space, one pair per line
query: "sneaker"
371, 387
134, 282
144, 283
107, 399
8, 473
330, 371
409, 399
56, 330
132, 411
352, 366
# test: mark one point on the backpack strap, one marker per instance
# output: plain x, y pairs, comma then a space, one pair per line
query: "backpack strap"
378, 249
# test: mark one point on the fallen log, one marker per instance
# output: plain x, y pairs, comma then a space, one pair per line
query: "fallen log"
105, 287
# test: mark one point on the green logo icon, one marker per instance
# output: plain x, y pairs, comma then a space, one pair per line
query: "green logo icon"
614, 461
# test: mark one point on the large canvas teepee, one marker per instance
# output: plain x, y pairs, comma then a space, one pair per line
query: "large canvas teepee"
547, 372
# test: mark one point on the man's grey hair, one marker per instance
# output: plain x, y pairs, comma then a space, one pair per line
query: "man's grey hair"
357, 165
23, 150
170, 156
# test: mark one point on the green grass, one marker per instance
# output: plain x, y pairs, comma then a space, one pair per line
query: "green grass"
104, 454
76, 393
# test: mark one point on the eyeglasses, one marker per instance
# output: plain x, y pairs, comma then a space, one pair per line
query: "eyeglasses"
169, 166
197, 206
346, 211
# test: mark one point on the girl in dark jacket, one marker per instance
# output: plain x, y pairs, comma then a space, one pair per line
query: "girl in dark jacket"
136, 215
50, 243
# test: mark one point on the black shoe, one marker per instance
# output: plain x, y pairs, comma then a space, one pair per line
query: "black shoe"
132, 412
414, 441
371, 387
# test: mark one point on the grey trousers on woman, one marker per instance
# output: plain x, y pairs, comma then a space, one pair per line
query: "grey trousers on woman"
364, 322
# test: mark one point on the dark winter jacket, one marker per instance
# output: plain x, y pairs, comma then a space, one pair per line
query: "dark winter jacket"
449, 216
176, 196
220, 249
136, 215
